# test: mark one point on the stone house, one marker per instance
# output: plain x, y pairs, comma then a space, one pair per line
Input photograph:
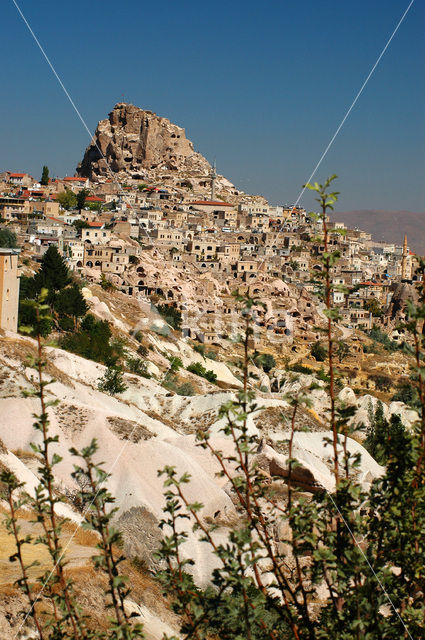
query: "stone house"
96, 234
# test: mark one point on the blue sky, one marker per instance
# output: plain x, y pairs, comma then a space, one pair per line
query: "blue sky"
259, 87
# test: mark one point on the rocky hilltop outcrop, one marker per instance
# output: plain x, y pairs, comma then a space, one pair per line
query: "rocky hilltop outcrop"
131, 142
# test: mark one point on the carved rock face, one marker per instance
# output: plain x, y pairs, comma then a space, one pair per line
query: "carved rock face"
131, 142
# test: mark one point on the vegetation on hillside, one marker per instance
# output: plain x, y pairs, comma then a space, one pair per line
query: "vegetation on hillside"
345, 563
8, 239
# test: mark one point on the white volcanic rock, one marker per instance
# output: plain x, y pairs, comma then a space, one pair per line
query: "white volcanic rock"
144, 429
347, 396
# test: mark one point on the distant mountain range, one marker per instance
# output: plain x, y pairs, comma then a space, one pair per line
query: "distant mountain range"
388, 226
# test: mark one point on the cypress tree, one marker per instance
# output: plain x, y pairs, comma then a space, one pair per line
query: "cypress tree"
45, 176
54, 274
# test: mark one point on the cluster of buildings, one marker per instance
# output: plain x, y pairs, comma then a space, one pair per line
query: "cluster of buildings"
194, 249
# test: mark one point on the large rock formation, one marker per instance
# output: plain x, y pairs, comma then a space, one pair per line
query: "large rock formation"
132, 142
396, 312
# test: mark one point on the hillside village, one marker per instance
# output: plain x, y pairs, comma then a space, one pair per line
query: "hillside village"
156, 243
210, 237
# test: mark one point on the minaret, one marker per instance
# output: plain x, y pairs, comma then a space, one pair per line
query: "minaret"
404, 259
213, 176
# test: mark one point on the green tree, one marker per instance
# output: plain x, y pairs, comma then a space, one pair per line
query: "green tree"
264, 360
176, 363
80, 224
113, 380
67, 199
381, 433
408, 393
94, 206
198, 369
45, 176
372, 305
342, 350
382, 382
318, 351
92, 341
81, 198
7, 239
70, 302
294, 265
28, 288
171, 315
138, 366
106, 284
54, 274
27, 318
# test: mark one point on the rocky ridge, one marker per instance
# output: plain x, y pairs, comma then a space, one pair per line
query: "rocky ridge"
137, 144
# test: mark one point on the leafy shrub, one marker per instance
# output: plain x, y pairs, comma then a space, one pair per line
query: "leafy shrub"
7, 239
106, 284
200, 348
372, 347
142, 350
138, 366
264, 360
379, 336
92, 341
171, 315
408, 393
185, 389
171, 382
300, 368
176, 363
198, 369
382, 383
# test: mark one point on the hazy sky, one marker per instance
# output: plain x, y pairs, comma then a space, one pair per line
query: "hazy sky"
261, 87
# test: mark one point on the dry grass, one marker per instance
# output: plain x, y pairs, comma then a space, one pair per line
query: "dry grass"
82, 537
9, 590
24, 455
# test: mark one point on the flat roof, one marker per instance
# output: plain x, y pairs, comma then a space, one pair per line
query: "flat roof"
7, 251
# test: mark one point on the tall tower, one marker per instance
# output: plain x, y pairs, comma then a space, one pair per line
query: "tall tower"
9, 289
213, 177
404, 260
